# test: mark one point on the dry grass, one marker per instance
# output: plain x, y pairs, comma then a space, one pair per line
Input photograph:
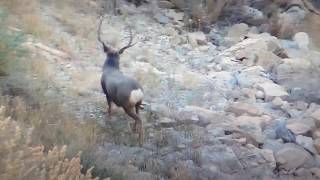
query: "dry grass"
33, 24
21, 6
67, 14
21, 160
26, 15
51, 125
83, 85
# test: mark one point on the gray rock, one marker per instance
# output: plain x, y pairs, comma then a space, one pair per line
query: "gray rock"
162, 18
197, 39
268, 156
221, 156
237, 32
259, 94
240, 108
251, 128
166, 122
316, 116
252, 16
302, 39
272, 90
272, 144
299, 128
277, 102
165, 4
307, 143
292, 157
317, 145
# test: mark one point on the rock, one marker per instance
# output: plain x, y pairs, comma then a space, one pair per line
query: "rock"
216, 38
316, 172
198, 10
189, 79
304, 173
176, 16
244, 120
316, 116
251, 76
252, 16
251, 127
223, 80
317, 145
249, 94
257, 50
162, 19
272, 90
277, 102
291, 157
302, 106
274, 145
166, 122
203, 48
237, 32
268, 178
300, 76
268, 156
165, 4
221, 156
316, 134
240, 108
302, 40
259, 94
290, 21
307, 143
205, 115
197, 39
299, 128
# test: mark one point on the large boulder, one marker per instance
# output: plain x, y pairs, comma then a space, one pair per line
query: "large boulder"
251, 127
301, 76
292, 157
299, 128
261, 50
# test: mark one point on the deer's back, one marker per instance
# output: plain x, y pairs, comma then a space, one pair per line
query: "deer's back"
118, 86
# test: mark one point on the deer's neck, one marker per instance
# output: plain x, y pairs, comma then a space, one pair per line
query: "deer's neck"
111, 63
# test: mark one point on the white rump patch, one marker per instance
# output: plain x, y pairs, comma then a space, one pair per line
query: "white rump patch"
136, 96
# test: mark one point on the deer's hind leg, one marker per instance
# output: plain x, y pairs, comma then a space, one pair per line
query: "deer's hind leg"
138, 123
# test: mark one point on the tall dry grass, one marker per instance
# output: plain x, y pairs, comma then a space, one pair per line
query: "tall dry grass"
22, 160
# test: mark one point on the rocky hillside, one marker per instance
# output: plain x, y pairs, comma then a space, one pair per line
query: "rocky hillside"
231, 93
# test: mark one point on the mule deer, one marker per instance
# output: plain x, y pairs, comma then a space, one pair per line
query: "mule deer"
118, 88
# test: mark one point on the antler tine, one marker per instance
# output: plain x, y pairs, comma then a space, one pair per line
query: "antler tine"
105, 48
99, 29
130, 42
